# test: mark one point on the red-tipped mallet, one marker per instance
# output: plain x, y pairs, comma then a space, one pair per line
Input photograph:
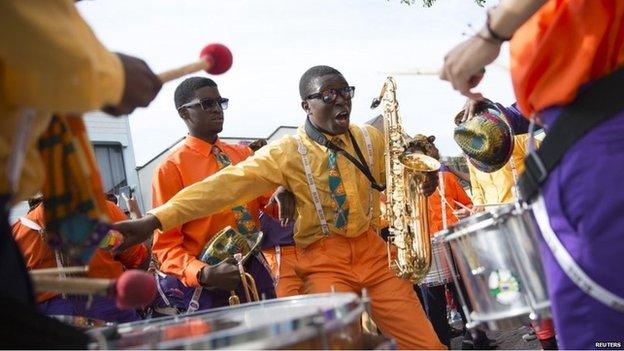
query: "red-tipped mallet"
214, 59
133, 289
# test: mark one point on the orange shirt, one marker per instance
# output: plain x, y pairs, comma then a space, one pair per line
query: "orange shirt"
564, 45
37, 254
453, 191
177, 249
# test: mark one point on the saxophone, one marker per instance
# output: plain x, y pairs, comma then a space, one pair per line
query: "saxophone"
406, 207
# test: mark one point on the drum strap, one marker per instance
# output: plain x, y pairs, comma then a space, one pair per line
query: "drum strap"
28, 223
567, 263
601, 101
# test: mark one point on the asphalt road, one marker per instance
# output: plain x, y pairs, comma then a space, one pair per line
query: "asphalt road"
506, 340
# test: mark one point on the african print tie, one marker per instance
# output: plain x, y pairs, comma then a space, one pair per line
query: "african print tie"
244, 221
340, 205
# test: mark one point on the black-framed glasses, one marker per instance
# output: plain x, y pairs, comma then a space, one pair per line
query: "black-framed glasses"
207, 104
330, 95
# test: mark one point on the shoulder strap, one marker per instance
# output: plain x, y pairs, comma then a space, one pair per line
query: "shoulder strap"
602, 100
371, 163
30, 224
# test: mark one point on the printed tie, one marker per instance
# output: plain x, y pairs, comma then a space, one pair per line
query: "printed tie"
244, 220
340, 205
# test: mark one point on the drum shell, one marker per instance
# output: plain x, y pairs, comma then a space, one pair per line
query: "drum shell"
304, 322
441, 271
498, 259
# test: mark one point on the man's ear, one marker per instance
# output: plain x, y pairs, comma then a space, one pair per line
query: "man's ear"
184, 114
305, 106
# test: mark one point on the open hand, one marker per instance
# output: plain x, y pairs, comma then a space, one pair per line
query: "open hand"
136, 231
463, 65
285, 205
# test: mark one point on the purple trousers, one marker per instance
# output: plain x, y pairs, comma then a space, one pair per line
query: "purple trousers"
179, 296
584, 198
101, 308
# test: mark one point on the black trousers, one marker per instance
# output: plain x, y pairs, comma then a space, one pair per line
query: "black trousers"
433, 300
21, 325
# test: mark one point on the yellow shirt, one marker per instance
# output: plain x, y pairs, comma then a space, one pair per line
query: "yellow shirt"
279, 163
50, 62
496, 187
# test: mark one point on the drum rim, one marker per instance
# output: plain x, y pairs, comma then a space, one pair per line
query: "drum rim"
474, 219
69, 319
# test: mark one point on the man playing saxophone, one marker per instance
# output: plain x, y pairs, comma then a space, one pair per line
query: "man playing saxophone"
337, 207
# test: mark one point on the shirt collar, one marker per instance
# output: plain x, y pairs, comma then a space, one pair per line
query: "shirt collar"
346, 141
201, 146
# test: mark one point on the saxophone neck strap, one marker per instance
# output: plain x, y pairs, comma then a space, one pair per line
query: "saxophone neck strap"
314, 134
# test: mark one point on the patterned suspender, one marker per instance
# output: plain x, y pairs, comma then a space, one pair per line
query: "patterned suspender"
316, 199
303, 152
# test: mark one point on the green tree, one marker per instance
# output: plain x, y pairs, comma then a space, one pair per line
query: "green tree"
429, 3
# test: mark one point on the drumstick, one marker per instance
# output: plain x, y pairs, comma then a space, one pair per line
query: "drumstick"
493, 204
452, 209
132, 289
462, 205
58, 270
213, 58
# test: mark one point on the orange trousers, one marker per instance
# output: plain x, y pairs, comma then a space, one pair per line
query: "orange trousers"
351, 264
283, 270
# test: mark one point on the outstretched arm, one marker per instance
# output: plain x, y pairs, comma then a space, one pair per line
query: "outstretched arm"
464, 62
233, 185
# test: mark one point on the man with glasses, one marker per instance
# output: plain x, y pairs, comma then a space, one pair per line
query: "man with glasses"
337, 206
176, 249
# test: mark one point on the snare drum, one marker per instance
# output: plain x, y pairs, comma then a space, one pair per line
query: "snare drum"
322, 321
441, 272
497, 257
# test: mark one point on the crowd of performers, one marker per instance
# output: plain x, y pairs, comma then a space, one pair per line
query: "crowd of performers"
320, 214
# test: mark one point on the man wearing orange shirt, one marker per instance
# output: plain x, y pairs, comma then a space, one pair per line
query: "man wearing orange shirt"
566, 66
176, 250
29, 233
434, 297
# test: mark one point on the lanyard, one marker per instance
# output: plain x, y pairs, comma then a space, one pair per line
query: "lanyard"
314, 134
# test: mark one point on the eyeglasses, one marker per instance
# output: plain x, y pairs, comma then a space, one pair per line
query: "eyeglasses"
330, 95
207, 104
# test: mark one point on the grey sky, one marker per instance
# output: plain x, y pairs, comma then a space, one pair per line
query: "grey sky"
275, 41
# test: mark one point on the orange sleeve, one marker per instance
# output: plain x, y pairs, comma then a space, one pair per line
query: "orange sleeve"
460, 193
168, 246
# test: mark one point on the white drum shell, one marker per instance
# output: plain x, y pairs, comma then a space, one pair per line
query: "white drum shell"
498, 260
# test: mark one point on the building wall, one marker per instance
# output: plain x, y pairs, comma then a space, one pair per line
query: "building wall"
104, 129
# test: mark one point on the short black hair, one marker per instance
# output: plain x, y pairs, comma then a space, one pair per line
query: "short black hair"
305, 83
186, 90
